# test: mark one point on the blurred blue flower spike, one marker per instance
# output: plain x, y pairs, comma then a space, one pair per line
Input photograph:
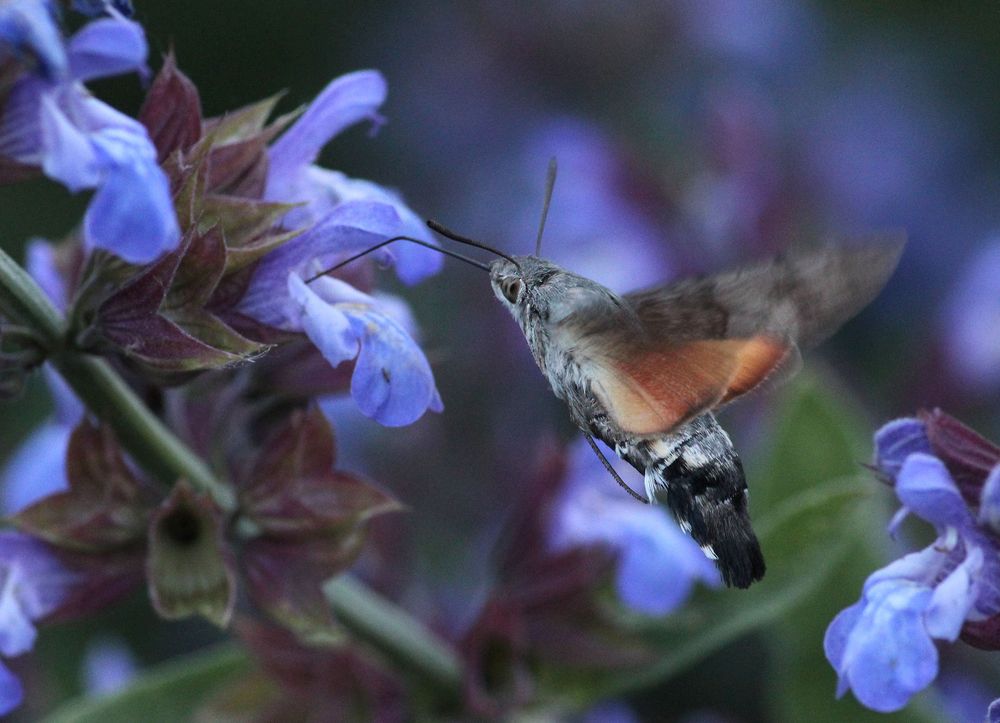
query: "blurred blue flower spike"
658, 564
993, 714
883, 647
51, 121
32, 585
392, 381
294, 177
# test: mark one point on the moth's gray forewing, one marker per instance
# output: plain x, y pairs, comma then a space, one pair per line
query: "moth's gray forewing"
803, 296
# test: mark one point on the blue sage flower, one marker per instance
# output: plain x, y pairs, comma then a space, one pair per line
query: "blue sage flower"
883, 647
29, 27
32, 585
294, 177
392, 381
658, 564
50, 120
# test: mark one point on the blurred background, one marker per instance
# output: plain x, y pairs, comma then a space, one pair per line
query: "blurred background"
691, 135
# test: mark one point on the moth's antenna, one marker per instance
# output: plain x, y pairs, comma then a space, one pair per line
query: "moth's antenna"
376, 247
550, 183
447, 233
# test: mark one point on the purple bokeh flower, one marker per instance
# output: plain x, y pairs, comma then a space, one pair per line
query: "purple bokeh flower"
50, 120
971, 322
32, 585
658, 564
882, 647
108, 666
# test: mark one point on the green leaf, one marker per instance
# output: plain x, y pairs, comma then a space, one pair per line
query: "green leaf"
171, 692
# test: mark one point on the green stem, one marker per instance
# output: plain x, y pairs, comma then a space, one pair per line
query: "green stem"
372, 619
393, 633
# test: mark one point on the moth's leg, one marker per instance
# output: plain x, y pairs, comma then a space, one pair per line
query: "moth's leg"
609, 468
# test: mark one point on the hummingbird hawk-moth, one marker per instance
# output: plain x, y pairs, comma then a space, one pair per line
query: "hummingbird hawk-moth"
644, 372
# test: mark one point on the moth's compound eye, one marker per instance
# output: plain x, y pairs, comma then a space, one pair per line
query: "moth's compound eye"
511, 288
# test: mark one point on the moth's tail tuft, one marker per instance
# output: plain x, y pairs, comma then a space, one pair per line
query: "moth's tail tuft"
708, 496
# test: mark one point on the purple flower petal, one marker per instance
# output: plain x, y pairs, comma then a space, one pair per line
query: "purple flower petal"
11, 691
897, 440
348, 229
989, 505
993, 713
889, 655
132, 214
836, 638
40, 262
326, 188
658, 564
31, 25
953, 597
345, 101
104, 7
971, 322
326, 326
32, 584
67, 154
926, 488
108, 47
37, 469
108, 666
392, 381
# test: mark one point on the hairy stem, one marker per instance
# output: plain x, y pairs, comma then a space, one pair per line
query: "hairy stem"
369, 617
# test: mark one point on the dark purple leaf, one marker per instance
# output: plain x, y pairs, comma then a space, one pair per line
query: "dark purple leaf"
105, 507
171, 111
13, 172
285, 577
104, 579
983, 634
968, 456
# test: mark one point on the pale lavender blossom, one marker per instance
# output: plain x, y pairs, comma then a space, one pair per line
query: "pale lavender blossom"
52, 121
658, 565
883, 647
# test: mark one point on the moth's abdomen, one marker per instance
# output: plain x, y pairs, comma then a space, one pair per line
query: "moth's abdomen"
699, 476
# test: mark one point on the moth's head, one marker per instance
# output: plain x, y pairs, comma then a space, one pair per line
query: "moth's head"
523, 282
